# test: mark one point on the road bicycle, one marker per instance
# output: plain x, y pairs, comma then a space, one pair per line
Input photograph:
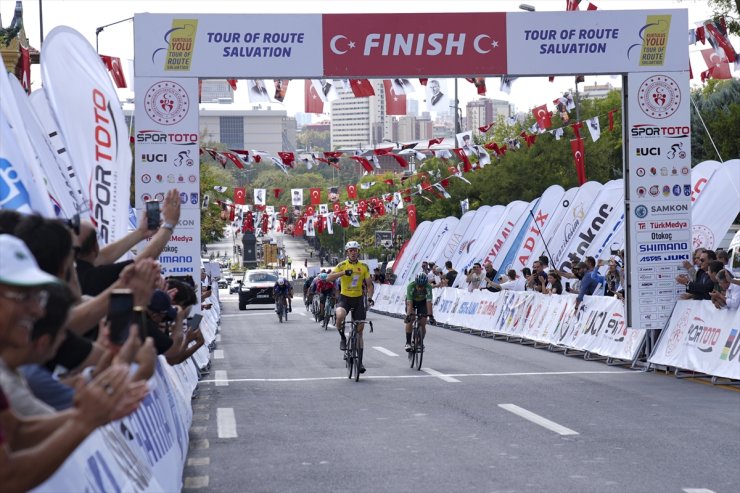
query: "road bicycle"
316, 307
281, 307
416, 353
353, 353
329, 313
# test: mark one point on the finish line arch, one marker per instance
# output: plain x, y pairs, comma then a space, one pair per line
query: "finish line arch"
648, 47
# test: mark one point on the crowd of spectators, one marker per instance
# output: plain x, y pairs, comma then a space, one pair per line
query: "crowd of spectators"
71, 359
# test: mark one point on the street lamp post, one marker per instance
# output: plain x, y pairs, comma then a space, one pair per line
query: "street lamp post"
100, 29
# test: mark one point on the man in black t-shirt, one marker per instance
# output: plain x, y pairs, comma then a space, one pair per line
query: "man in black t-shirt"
451, 273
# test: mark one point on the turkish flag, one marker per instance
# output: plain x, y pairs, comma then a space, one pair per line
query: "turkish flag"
313, 103
411, 212
321, 224
248, 222
113, 64
288, 158
310, 210
240, 196
364, 162
486, 128
352, 191
543, 116
435, 141
315, 196
719, 66
336, 207
460, 153
395, 104
283, 210
265, 222
276, 192
234, 159
232, 213
721, 40
576, 127
343, 219
298, 228
232, 83
571, 4
576, 147
361, 88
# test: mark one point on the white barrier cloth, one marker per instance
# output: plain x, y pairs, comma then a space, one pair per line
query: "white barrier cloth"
701, 338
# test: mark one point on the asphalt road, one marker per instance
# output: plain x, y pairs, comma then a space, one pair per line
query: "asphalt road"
278, 414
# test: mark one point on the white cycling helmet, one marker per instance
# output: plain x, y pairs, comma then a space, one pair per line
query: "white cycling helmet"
351, 244
281, 281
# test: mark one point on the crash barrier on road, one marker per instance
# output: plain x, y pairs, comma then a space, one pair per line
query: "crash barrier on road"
598, 327
701, 338
146, 451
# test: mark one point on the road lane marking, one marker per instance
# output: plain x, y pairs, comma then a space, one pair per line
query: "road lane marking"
384, 351
421, 375
218, 354
440, 375
251, 314
199, 461
697, 490
218, 338
537, 419
221, 379
196, 482
226, 422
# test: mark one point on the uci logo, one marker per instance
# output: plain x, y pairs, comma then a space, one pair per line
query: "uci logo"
648, 151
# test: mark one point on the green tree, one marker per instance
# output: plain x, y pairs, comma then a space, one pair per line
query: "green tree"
718, 103
730, 10
211, 224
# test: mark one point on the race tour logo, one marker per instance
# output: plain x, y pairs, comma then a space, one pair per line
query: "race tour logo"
659, 97
166, 102
180, 41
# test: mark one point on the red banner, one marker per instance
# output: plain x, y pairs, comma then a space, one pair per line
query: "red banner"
315, 196
313, 103
240, 196
576, 147
414, 44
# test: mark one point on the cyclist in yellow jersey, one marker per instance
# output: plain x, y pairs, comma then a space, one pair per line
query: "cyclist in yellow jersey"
353, 276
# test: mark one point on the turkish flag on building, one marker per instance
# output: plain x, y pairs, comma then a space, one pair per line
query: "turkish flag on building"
240, 196
352, 191
315, 196
113, 64
313, 103
395, 104
576, 147
361, 88
719, 67
543, 116
411, 212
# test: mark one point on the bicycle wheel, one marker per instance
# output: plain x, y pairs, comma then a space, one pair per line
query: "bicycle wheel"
357, 361
348, 355
412, 353
419, 344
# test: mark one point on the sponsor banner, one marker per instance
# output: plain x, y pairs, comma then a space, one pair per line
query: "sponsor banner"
477, 235
565, 42
145, 451
599, 326
411, 252
434, 240
505, 256
491, 246
92, 122
659, 191
467, 221
65, 171
438, 243
168, 109
551, 204
543, 241
242, 46
605, 205
414, 44
700, 175
701, 338
21, 179
716, 208
559, 238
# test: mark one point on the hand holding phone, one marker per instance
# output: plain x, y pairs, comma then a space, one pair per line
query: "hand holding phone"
119, 315
194, 322
152, 214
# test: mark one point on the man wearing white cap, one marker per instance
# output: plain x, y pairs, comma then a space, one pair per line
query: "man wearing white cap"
46, 441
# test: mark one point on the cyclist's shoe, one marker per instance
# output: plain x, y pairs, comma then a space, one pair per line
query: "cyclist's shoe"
408, 348
343, 345
362, 369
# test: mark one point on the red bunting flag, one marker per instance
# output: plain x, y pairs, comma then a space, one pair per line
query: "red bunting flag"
423, 82
361, 88
283, 210
248, 225
352, 191
265, 223
479, 83
336, 207
232, 83
232, 213
576, 127
722, 41
315, 196
571, 4
700, 34
718, 66
276, 192
389, 181
240, 196
364, 162
288, 158
298, 228
411, 214
435, 141
611, 120
234, 159
576, 147
486, 128
460, 153
313, 103
592, 6
113, 64
395, 104
343, 219
543, 116
310, 210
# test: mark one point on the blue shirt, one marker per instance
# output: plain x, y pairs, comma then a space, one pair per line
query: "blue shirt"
589, 282
48, 389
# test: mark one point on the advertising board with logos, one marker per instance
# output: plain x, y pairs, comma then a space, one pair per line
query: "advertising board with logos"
166, 158
658, 171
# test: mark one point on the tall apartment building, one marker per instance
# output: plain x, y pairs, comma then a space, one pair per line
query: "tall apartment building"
484, 111
359, 121
596, 91
213, 90
265, 130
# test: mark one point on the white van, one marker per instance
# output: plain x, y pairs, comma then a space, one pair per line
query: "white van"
734, 252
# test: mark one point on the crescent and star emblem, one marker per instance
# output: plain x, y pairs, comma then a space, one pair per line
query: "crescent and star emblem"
477, 43
335, 49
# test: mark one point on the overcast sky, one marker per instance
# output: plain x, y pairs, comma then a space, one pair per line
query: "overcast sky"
86, 15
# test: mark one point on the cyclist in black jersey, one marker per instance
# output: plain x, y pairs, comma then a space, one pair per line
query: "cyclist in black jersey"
419, 300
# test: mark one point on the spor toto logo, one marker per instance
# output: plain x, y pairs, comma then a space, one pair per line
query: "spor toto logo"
659, 97
166, 102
